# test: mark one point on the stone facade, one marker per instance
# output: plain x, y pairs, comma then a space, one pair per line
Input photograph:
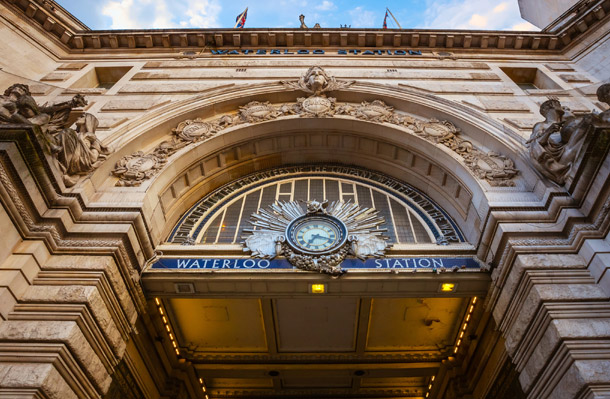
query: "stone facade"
171, 116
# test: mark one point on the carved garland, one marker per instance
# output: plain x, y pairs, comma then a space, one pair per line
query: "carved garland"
496, 169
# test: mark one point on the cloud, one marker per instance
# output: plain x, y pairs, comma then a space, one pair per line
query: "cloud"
146, 14
474, 14
326, 6
362, 18
478, 20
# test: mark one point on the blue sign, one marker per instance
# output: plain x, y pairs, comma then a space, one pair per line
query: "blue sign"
423, 263
315, 51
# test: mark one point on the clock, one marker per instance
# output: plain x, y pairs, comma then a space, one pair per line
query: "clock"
316, 235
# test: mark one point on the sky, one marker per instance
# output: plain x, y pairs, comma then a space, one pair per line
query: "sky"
421, 14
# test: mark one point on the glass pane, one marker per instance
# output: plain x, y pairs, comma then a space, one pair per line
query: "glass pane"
229, 224
250, 207
364, 196
347, 188
268, 196
316, 191
300, 190
420, 231
332, 190
381, 204
286, 188
209, 237
401, 220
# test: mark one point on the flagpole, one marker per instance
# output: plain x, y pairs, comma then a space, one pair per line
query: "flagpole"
394, 18
240, 17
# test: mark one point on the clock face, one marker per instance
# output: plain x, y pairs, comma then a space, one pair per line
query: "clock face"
316, 234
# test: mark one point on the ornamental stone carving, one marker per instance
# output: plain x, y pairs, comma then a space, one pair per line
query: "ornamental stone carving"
194, 130
257, 111
81, 151
77, 150
132, 170
316, 81
495, 169
556, 144
318, 237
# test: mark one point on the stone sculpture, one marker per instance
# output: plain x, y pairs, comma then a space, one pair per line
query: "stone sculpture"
81, 151
603, 95
303, 26
555, 143
78, 151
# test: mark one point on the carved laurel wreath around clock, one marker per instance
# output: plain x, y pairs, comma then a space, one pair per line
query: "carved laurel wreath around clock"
269, 237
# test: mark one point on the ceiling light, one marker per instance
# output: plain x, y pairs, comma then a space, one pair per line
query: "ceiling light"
448, 287
317, 288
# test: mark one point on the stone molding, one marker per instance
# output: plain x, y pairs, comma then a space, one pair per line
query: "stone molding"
494, 168
74, 36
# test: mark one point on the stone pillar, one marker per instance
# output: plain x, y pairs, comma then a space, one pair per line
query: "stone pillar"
556, 321
67, 329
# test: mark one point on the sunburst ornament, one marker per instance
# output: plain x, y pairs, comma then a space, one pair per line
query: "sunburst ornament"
317, 237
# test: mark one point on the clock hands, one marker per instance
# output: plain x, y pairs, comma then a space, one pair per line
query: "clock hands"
315, 237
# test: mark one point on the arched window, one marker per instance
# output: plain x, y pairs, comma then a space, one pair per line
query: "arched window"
221, 217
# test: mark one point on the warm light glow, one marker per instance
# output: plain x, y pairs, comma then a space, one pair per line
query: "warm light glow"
175, 346
318, 288
447, 287
427, 394
203, 389
467, 318
433, 378
157, 301
465, 325
455, 350
462, 335
177, 352
430, 386
172, 337
471, 309
164, 320
474, 300
459, 342
201, 380
167, 327
160, 310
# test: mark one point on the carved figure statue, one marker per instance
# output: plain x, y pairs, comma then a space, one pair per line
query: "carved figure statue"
18, 106
556, 142
82, 152
303, 26
603, 95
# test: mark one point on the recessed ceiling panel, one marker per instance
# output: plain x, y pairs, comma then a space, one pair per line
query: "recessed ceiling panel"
401, 382
232, 383
414, 324
319, 382
220, 325
316, 324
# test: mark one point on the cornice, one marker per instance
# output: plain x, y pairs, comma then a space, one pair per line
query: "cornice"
58, 24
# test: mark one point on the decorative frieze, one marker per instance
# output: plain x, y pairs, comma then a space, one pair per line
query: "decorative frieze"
494, 168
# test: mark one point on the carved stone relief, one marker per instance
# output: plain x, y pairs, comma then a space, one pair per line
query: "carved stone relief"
496, 169
556, 144
137, 167
77, 150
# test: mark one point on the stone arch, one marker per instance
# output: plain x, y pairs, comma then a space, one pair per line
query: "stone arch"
383, 147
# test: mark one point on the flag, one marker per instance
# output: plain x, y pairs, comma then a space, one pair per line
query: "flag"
385, 20
240, 21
